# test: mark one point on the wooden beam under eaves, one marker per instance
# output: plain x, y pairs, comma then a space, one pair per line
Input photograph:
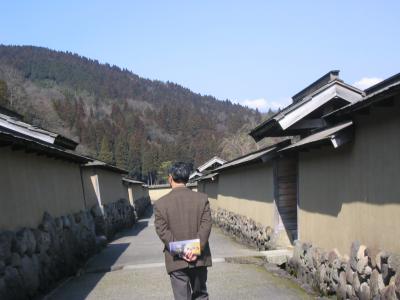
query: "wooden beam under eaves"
267, 157
341, 138
309, 124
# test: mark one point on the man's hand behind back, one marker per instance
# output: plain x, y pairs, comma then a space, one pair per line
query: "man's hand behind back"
189, 256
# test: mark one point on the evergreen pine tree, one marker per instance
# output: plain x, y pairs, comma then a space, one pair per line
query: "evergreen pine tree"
121, 152
135, 155
3, 94
163, 171
105, 153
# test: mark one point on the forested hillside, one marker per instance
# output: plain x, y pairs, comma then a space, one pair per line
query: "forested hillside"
138, 124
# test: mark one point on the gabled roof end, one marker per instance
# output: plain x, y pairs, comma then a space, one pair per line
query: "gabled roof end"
328, 77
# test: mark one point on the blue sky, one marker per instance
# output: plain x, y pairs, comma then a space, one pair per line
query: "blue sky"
258, 53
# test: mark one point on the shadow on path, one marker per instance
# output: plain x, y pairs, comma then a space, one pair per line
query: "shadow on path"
104, 261
89, 281
148, 213
140, 225
109, 258
136, 257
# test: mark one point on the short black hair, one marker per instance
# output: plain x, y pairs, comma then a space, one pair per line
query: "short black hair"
180, 172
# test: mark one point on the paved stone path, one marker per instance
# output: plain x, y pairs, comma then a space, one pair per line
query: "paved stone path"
132, 267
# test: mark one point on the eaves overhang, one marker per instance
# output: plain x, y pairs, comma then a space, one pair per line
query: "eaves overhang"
336, 136
211, 176
17, 141
14, 125
212, 161
260, 156
129, 181
105, 166
195, 175
279, 124
374, 97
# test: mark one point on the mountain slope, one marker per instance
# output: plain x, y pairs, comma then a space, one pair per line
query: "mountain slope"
137, 123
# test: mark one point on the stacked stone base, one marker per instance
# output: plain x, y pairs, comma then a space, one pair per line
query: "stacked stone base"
32, 261
141, 206
244, 229
113, 217
366, 274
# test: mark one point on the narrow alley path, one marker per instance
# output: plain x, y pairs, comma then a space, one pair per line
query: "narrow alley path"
132, 267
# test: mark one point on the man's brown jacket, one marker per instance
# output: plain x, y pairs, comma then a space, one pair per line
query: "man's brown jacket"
183, 215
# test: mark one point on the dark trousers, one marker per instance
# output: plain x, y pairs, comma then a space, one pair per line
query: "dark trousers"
190, 283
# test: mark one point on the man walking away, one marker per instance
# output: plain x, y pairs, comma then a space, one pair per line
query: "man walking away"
184, 215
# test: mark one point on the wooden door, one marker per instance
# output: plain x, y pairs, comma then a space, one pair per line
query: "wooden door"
286, 177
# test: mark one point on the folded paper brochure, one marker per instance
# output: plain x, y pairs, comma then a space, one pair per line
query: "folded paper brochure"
178, 248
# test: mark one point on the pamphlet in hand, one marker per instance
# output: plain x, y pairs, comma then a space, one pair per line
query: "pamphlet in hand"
178, 248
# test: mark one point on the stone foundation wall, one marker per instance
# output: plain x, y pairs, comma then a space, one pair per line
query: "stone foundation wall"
113, 217
244, 229
34, 260
366, 274
141, 205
